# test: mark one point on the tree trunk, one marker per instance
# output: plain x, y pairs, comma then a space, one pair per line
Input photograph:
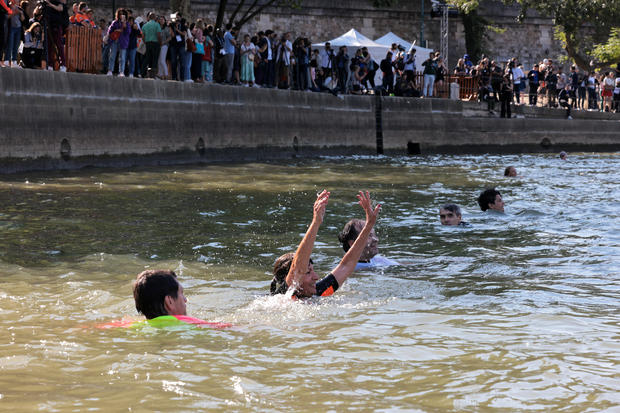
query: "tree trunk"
220, 14
182, 6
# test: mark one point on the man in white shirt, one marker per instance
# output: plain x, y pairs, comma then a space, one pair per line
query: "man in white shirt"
327, 58
370, 256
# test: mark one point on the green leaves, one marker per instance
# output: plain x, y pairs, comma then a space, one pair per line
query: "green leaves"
610, 51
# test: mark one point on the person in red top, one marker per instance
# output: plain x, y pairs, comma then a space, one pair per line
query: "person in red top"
296, 270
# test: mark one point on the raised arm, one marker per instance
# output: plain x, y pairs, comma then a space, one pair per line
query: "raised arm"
301, 259
350, 259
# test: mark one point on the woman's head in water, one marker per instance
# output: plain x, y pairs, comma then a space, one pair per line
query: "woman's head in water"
510, 171
282, 266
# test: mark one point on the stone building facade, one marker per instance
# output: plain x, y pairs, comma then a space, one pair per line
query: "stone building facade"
321, 20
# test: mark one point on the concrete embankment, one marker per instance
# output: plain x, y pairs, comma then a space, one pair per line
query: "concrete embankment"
66, 120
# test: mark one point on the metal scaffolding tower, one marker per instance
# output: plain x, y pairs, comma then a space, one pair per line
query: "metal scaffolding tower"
443, 46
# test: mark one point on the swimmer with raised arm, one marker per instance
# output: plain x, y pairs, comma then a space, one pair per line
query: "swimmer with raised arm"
296, 270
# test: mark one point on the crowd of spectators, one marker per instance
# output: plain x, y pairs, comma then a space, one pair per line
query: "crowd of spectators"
174, 48
545, 84
32, 33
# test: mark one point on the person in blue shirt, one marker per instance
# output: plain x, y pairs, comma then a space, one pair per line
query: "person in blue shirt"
229, 48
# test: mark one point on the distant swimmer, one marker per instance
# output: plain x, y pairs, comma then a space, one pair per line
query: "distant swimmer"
510, 171
563, 156
450, 214
370, 255
296, 270
491, 199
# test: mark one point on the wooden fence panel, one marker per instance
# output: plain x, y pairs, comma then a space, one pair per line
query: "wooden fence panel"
83, 49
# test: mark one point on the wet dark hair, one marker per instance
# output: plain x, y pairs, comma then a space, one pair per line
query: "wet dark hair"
350, 232
487, 197
280, 270
151, 288
507, 170
454, 208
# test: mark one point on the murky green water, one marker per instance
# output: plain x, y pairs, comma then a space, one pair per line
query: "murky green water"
517, 312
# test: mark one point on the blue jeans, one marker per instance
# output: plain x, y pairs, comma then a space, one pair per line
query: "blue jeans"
187, 65
176, 53
429, 81
122, 62
131, 55
15, 34
113, 52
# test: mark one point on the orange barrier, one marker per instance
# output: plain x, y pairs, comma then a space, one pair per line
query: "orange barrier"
83, 49
468, 86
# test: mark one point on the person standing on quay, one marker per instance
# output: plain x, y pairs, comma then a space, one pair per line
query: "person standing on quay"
430, 68
533, 77
152, 38
229, 47
248, 52
505, 96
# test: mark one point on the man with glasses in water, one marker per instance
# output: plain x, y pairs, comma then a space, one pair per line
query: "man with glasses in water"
296, 271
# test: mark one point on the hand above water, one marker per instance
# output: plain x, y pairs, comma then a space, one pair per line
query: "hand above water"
320, 205
366, 203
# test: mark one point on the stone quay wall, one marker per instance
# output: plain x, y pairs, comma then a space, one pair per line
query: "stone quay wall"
321, 20
55, 120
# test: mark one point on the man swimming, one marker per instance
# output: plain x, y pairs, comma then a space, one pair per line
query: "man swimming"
491, 199
296, 270
160, 297
370, 256
450, 214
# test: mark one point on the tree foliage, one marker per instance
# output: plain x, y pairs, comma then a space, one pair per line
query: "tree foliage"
580, 24
610, 51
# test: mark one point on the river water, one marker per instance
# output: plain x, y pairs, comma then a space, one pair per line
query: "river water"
516, 312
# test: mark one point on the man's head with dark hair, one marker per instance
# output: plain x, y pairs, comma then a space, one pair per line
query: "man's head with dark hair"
510, 171
349, 234
228, 26
450, 214
157, 293
491, 199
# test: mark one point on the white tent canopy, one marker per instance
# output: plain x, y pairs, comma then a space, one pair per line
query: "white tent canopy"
389, 38
355, 40
421, 53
